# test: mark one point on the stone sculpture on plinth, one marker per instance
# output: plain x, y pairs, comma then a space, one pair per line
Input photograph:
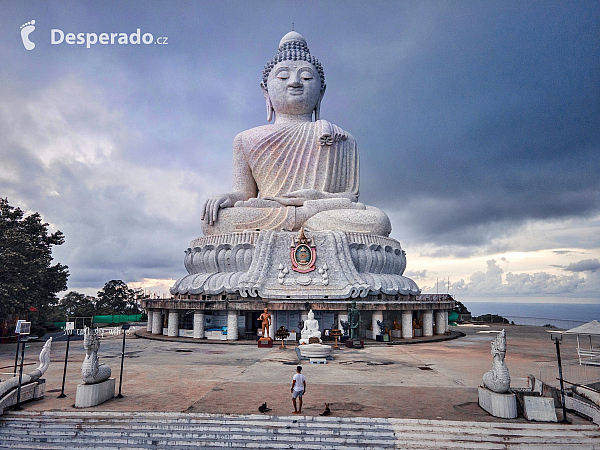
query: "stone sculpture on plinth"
498, 379
495, 396
310, 329
311, 345
33, 386
265, 318
354, 320
91, 370
97, 386
292, 226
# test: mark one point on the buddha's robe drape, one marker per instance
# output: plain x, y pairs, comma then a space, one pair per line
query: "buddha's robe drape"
311, 155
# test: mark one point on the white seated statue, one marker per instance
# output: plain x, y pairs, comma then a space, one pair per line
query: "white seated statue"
296, 172
311, 329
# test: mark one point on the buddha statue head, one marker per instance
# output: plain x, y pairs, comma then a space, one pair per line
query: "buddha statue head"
293, 80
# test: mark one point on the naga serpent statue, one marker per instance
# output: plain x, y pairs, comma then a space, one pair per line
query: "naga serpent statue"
8, 385
91, 371
498, 379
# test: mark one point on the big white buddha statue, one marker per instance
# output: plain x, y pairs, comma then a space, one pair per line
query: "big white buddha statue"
310, 329
300, 171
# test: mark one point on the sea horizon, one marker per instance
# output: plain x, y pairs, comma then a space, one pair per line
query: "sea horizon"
560, 315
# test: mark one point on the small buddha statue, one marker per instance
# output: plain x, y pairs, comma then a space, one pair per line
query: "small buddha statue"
311, 329
396, 325
297, 172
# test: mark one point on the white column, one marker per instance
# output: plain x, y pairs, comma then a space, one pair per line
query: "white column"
173, 323
199, 325
232, 325
149, 326
407, 328
440, 327
342, 317
428, 323
377, 315
157, 323
446, 324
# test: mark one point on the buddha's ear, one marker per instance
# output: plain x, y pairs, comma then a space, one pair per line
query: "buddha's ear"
318, 106
263, 87
267, 101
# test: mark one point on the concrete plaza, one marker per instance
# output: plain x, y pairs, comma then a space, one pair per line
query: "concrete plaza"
435, 380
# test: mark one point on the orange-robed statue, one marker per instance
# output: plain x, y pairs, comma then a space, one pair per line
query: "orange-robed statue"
266, 322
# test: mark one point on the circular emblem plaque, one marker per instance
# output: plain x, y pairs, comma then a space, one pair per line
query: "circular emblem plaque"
303, 254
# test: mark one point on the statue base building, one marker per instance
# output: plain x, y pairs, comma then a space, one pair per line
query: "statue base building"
232, 277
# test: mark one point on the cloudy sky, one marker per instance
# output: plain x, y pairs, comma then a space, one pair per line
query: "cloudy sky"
478, 125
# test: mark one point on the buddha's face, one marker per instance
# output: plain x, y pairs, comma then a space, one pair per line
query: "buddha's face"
294, 87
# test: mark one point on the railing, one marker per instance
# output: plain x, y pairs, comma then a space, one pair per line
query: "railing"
589, 356
434, 297
572, 371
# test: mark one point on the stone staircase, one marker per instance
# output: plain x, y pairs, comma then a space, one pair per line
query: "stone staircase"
110, 430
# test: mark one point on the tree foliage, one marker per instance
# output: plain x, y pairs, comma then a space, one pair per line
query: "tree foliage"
117, 298
74, 304
114, 298
27, 276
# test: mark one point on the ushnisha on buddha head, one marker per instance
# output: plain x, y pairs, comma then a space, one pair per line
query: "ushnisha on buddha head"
293, 81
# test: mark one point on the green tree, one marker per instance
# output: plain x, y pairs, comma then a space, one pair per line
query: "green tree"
74, 304
117, 298
27, 277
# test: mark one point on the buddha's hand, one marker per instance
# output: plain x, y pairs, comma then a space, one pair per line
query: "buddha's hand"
210, 210
297, 198
306, 194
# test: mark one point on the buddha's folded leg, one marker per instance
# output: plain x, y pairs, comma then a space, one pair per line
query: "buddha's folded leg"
238, 219
310, 208
370, 220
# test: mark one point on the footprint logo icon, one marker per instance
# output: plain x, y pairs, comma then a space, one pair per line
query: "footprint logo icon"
26, 30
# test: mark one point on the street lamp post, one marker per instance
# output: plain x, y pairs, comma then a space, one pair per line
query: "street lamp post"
125, 327
69, 326
557, 338
17, 354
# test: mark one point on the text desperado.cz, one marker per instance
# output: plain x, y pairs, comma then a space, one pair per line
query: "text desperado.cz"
58, 37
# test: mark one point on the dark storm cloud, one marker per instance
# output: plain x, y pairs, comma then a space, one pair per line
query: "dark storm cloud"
471, 118
565, 252
585, 265
507, 128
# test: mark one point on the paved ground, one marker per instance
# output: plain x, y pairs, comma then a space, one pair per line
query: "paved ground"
426, 381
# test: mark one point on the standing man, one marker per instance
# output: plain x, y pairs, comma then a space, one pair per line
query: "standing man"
298, 388
266, 323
